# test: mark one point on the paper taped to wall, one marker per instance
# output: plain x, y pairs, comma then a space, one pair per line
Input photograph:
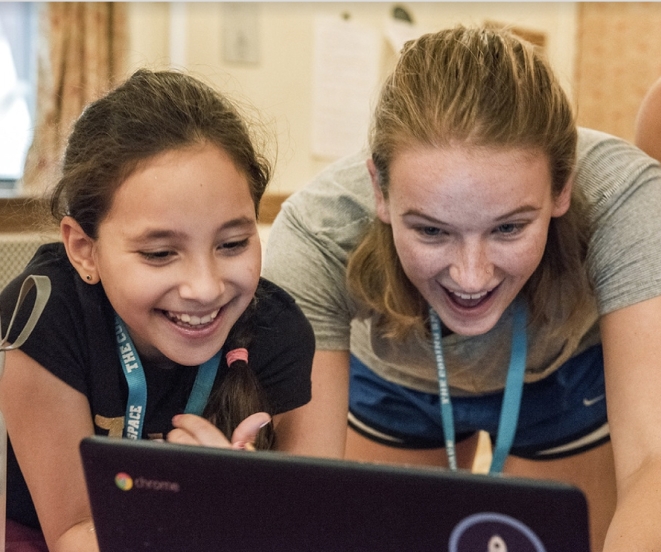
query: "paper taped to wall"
345, 81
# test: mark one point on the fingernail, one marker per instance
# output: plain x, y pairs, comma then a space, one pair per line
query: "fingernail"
240, 445
267, 422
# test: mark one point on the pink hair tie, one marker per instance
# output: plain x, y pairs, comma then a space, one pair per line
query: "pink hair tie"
237, 354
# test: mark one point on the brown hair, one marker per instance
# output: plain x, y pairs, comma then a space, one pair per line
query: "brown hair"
150, 113
483, 88
239, 395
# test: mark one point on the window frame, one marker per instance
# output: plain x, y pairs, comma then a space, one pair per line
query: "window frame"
21, 28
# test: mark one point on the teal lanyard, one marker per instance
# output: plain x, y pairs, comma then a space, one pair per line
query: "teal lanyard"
509, 412
137, 383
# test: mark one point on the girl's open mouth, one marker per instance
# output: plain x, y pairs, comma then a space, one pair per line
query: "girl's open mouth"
468, 300
191, 320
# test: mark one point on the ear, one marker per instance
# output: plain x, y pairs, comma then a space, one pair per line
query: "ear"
562, 202
382, 210
80, 250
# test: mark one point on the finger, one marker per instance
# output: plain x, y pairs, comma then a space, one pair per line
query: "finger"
181, 437
202, 431
246, 432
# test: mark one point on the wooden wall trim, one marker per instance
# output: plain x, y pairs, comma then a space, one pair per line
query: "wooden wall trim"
270, 207
21, 214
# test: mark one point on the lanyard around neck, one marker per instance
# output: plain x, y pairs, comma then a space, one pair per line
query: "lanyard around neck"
135, 378
509, 412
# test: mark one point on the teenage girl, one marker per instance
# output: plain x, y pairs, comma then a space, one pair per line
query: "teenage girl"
158, 324
487, 266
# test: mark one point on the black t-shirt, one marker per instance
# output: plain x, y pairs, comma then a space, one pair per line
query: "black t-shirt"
75, 340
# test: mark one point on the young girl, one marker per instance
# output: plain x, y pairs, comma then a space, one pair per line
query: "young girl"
487, 267
157, 314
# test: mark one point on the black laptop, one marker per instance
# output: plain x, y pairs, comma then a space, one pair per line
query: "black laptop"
153, 496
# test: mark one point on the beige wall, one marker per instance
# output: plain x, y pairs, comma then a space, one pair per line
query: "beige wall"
279, 86
618, 45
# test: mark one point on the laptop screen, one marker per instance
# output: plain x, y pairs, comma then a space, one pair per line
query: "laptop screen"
159, 496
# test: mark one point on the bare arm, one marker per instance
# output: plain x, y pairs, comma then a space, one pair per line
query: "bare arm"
320, 427
46, 420
632, 356
648, 122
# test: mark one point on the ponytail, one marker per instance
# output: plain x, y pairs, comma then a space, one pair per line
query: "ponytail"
240, 394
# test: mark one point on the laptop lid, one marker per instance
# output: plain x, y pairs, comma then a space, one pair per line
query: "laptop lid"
164, 497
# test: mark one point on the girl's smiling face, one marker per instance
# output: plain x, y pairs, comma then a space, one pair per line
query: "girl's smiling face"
178, 254
470, 226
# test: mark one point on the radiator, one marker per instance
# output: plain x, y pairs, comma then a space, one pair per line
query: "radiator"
15, 252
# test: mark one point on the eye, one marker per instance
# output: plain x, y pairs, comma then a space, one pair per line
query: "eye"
510, 228
156, 255
429, 231
234, 246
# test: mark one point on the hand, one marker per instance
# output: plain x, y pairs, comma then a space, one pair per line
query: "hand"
190, 429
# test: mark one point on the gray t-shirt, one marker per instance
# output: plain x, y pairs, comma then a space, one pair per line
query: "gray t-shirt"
319, 226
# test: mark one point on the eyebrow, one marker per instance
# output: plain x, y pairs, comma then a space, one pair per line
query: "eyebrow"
514, 212
518, 211
163, 233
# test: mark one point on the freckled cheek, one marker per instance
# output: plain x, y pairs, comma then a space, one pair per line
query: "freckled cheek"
138, 286
252, 280
523, 261
257, 264
419, 263
245, 273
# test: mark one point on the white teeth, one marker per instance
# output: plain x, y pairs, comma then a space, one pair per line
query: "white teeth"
193, 320
470, 296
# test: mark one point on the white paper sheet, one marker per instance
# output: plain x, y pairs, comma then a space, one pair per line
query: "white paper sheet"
345, 82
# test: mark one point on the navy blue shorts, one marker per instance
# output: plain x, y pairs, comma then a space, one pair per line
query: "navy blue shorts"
562, 415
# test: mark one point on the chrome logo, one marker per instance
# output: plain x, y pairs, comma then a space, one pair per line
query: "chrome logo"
124, 481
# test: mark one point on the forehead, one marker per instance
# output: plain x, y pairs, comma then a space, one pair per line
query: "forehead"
197, 180
458, 154
459, 167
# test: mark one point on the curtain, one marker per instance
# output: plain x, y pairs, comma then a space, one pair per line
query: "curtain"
81, 56
618, 60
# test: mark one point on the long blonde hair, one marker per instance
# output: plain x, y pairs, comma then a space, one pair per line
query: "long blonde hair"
478, 87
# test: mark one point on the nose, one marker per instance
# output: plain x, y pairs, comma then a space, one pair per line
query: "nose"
201, 280
471, 268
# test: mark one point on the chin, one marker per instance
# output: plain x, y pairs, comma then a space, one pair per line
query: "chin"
471, 331
198, 358
470, 328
